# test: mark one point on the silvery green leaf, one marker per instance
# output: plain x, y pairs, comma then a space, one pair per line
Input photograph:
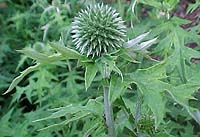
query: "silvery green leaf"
144, 45
197, 115
136, 40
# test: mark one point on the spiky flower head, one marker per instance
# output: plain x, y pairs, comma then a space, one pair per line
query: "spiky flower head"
97, 30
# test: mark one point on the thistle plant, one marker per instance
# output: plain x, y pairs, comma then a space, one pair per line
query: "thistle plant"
97, 30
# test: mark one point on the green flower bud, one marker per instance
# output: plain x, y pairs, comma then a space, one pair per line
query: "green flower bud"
39, 47
97, 30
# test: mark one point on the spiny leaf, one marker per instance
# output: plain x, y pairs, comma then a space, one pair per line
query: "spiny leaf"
88, 133
106, 65
148, 82
65, 122
67, 52
136, 40
157, 71
90, 73
40, 57
21, 76
33, 54
181, 94
152, 92
70, 109
145, 45
95, 106
116, 88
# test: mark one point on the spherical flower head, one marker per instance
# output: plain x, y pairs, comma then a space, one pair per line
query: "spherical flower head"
98, 30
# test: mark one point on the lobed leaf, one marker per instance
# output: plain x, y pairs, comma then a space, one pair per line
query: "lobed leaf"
21, 76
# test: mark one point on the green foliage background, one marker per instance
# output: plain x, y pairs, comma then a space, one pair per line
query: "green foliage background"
159, 94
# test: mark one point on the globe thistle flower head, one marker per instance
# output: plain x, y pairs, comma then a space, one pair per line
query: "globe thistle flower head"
97, 30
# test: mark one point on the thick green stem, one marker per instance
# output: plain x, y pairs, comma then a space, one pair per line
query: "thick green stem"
108, 113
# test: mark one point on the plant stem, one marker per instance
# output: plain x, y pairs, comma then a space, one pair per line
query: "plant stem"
108, 113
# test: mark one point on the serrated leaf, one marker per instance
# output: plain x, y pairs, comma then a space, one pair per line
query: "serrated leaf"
67, 52
90, 74
59, 112
52, 58
40, 57
20, 77
116, 88
189, 53
31, 53
89, 131
193, 73
95, 106
181, 94
116, 69
65, 122
184, 92
106, 65
152, 92
16, 96
5, 128
180, 54
155, 72
148, 82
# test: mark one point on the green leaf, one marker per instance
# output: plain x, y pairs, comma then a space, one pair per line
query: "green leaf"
152, 3
62, 111
67, 52
181, 94
95, 106
153, 98
40, 57
88, 133
142, 46
193, 73
31, 53
21, 76
107, 64
155, 72
75, 112
181, 54
116, 88
90, 73
189, 53
52, 58
151, 87
65, 122
184, 92
16, 96
5, 128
